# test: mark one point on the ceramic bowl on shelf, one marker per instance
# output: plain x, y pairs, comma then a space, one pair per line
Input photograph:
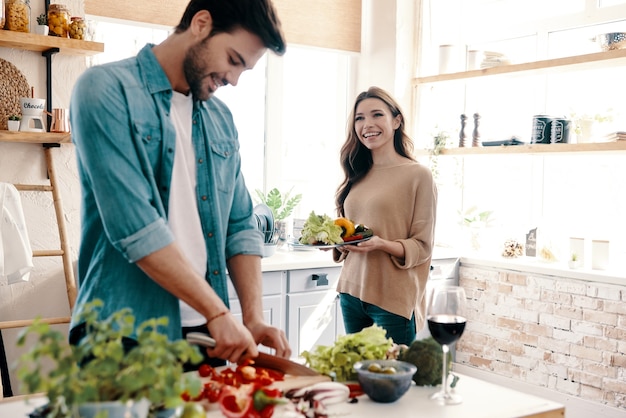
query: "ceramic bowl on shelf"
612, 40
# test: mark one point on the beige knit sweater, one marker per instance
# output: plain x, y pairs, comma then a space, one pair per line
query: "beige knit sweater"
398, 202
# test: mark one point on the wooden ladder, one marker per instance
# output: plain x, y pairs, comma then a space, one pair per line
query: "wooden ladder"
50, 142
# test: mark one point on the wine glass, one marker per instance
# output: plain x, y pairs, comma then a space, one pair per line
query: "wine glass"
446, 322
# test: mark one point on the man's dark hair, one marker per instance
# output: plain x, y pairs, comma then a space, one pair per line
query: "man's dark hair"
256, 16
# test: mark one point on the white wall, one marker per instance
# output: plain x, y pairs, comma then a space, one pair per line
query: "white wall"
44, 295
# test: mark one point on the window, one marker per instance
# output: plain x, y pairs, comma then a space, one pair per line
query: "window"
565, 195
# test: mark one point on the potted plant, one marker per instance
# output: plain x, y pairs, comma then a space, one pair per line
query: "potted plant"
282, 206
42, 25
101, 371
13, 122
573, 261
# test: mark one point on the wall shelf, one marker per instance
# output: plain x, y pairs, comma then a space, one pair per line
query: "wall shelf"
534, 149
43, 43
573, 63
35, 137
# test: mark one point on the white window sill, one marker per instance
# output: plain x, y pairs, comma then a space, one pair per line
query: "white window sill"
533, 265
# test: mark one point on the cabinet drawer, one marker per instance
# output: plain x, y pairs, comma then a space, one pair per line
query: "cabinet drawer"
307, 280
272, 284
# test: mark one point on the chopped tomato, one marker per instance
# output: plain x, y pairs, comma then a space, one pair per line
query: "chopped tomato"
205, 370
212, 391
355, 389
235, 403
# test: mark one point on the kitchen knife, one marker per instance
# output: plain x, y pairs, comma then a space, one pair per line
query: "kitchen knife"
263, 360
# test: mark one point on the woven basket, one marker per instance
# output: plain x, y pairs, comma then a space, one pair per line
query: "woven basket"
13, 85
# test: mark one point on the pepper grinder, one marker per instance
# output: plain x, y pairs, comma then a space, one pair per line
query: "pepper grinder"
476, 135
462, 134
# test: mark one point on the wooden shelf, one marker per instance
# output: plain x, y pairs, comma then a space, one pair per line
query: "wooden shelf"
41, 43
535, 149
578, 62
35, 137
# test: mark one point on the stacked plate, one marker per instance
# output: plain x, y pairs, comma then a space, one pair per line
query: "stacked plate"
494, 59
265, 222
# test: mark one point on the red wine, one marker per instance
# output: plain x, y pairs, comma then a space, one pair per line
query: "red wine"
446, 329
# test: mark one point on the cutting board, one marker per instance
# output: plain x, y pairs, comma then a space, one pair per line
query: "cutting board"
297, 382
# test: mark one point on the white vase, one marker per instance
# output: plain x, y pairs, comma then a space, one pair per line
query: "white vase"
41, 29
133, 409
14, 125
588, 130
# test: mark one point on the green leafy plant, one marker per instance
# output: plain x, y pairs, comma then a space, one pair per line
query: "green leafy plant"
473, 217
42, 19
574, 257
440, 142
282, 205
15, 117
99, 368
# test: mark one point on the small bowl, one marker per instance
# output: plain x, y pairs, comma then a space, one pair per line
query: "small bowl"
382, 387
612, 40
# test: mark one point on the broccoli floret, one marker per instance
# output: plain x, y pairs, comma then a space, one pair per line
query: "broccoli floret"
427, 355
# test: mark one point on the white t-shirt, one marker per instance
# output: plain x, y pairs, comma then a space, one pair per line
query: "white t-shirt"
184, 219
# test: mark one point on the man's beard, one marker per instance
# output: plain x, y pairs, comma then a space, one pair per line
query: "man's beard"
194, 75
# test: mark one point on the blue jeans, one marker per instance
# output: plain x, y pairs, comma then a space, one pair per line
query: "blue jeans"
358, 315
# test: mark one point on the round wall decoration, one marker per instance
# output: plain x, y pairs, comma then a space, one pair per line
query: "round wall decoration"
13, 85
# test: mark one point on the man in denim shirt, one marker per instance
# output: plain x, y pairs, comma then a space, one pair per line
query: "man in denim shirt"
166, 214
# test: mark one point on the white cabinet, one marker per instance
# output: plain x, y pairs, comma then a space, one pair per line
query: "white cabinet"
313, 312
302, 302
273, 299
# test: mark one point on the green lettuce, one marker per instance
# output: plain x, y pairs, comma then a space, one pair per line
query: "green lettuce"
320, 229
338, 360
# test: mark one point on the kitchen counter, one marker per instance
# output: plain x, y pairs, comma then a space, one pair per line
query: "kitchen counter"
285, 259
480, 399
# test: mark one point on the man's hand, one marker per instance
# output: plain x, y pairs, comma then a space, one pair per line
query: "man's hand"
271, 337
233, 341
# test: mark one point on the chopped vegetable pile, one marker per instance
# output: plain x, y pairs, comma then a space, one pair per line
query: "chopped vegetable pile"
338, 360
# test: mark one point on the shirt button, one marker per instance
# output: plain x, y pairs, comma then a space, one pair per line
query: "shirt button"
204, 198
216, 272
210, 235
149, 137
200, 160
195, 122
170, 150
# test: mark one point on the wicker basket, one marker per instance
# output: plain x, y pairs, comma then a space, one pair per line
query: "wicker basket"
13, 85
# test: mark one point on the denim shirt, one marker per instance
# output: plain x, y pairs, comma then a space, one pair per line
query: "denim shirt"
125, 144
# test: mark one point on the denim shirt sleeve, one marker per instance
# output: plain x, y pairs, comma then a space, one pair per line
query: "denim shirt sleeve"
231, 205
113, 163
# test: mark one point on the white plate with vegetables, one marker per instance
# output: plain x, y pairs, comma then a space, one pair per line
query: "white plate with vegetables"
321, 231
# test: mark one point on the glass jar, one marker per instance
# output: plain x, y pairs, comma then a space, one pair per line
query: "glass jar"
59, 20
1, 14
17, 15
77, 28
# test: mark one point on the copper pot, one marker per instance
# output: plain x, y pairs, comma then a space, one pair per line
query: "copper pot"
60, 120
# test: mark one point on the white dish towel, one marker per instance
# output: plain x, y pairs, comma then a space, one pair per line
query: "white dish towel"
16, 255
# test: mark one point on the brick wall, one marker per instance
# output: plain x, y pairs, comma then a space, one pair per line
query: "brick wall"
564, 334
